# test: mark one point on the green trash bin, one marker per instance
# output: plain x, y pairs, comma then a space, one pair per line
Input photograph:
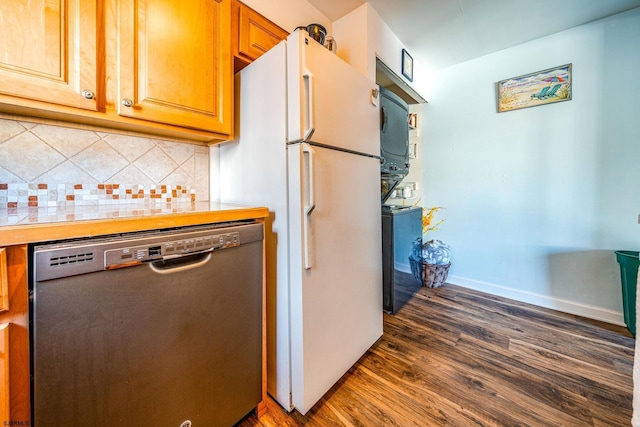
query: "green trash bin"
629, 263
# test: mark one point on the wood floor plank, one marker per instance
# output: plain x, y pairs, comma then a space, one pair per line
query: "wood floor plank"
572, 369
475, 371
524, 385
525, 324
458, 357
564, 322
455, 387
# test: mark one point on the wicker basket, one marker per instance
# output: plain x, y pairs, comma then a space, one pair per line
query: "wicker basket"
429, 275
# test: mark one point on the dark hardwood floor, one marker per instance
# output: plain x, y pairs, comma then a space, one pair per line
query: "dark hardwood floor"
457, 357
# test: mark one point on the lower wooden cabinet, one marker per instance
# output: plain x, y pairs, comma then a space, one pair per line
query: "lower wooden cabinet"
4, 281
5, 402
14, 340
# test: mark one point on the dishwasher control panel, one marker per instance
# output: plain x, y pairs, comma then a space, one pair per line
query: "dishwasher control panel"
52, 260
170, 248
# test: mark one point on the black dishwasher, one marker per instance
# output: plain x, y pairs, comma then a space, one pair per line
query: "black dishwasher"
156, 328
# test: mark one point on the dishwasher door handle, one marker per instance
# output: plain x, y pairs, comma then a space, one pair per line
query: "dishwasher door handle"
179, 264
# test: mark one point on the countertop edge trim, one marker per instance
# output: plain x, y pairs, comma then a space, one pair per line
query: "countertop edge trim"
30, 233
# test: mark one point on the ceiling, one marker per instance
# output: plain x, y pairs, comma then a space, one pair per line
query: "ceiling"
440, 33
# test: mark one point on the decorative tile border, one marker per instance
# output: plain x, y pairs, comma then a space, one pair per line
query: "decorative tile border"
15, 216
31, 195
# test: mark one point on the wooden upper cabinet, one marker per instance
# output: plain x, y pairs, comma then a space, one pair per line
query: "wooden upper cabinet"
175, 63
78, 60
48, 51
253, 34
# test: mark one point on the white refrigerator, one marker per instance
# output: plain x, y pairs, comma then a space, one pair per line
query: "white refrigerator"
307, 146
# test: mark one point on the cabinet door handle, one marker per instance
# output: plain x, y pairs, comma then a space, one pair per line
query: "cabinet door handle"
127, 102
88, 94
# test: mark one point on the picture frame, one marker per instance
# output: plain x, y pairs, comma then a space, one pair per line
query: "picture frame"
531, 90
407, 65
413, 120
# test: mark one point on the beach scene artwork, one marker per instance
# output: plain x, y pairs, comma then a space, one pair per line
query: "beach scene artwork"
539, 88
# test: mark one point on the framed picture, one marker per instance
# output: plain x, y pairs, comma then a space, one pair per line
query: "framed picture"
407, 65
539, 88
413, 120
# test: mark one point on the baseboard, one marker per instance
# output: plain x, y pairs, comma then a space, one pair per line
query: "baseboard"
405, 268
584, 310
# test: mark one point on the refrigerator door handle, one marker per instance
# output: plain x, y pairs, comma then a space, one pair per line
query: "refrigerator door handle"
311, 118
310, 201
383, 119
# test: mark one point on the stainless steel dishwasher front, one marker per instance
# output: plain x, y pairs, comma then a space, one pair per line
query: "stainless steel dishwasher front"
148, 329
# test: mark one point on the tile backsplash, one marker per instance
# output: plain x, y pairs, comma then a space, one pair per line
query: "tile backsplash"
23, 195
44, 165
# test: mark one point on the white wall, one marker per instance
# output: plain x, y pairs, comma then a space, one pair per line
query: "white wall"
351, 35
362, 36
537, 199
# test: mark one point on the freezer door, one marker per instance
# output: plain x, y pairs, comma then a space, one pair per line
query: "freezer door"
329, 101
336, 274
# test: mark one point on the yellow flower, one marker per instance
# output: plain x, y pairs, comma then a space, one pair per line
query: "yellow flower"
427, 218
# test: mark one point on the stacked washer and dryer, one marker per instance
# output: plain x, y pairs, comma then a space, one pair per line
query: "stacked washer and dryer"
401, 225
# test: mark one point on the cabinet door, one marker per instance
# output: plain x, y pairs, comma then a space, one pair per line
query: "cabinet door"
175, 62
14, 341
5, 398
256, 34
48, 51
4, 281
